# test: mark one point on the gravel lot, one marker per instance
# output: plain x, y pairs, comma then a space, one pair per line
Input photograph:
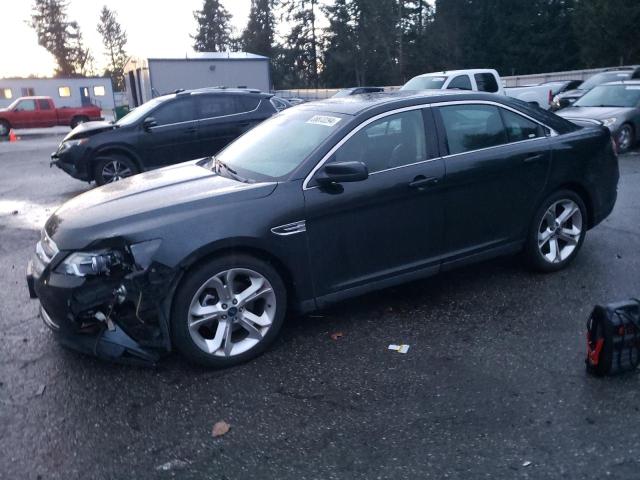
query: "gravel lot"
493, 385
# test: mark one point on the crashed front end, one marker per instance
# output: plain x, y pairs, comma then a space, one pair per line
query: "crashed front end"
110, 300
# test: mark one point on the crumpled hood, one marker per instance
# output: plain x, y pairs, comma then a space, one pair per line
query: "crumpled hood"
88, 129
595, 113
147, 202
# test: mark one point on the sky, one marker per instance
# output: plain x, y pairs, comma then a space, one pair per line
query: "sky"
154, 28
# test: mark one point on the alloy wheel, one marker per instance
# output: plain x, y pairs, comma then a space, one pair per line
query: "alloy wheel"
624, 138
560, 230
114, 171
231, 312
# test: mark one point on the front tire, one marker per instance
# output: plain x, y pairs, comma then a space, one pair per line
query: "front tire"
113, 168
556, 232
228, 311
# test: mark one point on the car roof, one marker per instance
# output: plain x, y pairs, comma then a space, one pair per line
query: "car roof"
622, 82
357, 104
224, 90
458, 72
35, 97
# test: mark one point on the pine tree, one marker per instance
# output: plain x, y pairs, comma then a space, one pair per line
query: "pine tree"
214, 31
61, 37
258, 35
302, 41
114, 39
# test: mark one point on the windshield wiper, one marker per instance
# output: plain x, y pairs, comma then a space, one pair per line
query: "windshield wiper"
218, 165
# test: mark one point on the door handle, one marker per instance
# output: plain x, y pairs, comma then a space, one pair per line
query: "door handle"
533, 158
421, 181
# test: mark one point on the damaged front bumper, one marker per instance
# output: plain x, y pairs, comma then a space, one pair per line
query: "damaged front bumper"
120, 315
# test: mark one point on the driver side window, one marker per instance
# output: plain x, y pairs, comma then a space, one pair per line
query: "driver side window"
26, 106
392, 141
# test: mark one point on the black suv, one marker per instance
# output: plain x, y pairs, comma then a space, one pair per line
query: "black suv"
166, 130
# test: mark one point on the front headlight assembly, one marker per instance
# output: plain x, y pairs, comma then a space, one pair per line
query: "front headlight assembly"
81, 264
64, 146
609, 122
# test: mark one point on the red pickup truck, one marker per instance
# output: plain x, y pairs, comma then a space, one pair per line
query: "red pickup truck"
36, 112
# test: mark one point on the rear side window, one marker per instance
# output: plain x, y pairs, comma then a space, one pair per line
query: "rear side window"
461, 82
247, 103
486, 82
520, 128
44, 105
175, 111
211, 106
472, 127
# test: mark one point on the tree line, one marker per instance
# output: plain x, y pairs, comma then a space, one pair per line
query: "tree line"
337, 43
386, 42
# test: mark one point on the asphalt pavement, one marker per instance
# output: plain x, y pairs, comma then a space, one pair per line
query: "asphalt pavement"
493, 385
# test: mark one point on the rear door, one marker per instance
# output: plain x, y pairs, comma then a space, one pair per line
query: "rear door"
497, 162
47, 116
223, 118
387, 225
175, 137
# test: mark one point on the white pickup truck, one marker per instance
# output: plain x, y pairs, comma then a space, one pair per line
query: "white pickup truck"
480, 80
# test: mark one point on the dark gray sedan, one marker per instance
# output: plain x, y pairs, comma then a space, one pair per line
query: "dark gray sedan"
616, 105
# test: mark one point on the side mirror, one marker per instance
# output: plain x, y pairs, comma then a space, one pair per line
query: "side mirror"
341, 172
148, 123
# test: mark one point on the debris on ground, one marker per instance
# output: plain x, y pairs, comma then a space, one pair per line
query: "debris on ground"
172, 465
40, 390
220, 428
336, 335
399, 348
15, 212
526, 464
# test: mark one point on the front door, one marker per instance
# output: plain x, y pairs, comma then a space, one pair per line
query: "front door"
497, 165
387, 225
25, 114
174, 138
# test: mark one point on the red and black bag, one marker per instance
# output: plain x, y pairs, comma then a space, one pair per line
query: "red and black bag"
613, 338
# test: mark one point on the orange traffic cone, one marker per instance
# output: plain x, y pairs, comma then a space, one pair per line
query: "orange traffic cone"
12, 136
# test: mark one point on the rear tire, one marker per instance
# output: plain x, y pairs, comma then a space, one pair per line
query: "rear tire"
556, 232
228, 310
75, 121
113, 168
625, 138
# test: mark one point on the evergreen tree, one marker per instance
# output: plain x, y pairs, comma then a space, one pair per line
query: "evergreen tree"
302, 42
61, 37
607, 32
258, 35
214, 31
114, 39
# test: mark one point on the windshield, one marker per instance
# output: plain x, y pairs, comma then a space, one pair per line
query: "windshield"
604, 78
425, 83
611, 96
278, 145
142, 111
343, 93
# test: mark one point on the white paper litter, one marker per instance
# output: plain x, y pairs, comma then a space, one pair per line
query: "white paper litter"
399, 348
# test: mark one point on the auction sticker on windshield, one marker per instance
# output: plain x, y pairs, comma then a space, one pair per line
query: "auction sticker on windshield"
325, 120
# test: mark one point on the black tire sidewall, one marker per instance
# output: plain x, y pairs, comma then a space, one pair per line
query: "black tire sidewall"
194, 280
75, 121
532, 253
101, 161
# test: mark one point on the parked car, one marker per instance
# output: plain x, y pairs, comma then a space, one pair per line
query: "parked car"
280, 103
296, 101
568, 97
166, 130
345, 92
40, 112
482, 80
560, 86
616, 105
316, 205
